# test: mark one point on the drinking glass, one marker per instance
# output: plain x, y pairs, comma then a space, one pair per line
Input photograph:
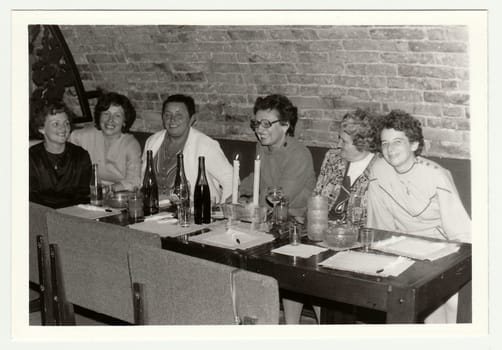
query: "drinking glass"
317, 217
282, 209
354, 210
135, 206
367, 235
181, 197
274, 196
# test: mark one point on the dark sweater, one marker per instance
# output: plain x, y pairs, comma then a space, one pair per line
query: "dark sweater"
59, 180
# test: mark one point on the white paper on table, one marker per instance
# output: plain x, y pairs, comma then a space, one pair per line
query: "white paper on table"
160, 216
300, 250
368, 264
168, 228
235, 237
88, 211
416, 248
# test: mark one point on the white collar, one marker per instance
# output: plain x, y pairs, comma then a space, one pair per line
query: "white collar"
357, 167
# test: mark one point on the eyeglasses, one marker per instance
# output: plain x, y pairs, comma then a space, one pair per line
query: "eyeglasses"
255, 124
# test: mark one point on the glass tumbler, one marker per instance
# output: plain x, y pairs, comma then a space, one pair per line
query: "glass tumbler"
317, 217
135, 206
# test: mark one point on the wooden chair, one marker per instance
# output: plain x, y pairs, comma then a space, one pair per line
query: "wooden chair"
176, 289
90, 266
39, 269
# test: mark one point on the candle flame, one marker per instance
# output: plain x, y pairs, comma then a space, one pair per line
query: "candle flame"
236, 157
258, 157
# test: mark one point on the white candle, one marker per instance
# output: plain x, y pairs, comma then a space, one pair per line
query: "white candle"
256, 183
235, 180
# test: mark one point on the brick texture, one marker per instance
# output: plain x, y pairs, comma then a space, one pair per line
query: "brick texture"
325, 70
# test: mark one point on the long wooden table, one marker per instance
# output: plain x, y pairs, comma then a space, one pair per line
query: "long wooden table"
408, 298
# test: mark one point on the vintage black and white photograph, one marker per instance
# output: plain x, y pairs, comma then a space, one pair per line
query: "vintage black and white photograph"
255, 168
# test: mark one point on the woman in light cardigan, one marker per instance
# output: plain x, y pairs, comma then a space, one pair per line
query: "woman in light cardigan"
178, 135
117, 153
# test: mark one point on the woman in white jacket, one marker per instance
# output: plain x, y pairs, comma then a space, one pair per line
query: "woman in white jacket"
178, 135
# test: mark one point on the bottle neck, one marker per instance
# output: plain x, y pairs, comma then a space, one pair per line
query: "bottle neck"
149, 161
149, 178
181, 167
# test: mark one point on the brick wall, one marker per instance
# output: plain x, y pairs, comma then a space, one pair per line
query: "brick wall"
325, 70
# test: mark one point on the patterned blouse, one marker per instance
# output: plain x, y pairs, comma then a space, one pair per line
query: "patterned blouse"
329, 182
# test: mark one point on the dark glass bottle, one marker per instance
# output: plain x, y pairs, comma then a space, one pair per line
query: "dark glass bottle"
202, 196
150, 188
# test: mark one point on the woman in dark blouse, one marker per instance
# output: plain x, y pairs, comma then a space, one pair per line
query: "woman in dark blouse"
60, 172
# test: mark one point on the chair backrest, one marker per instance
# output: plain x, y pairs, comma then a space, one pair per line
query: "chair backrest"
37, 227
184, 290
94, 262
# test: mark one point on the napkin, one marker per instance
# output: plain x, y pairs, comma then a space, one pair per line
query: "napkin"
416, 248
164, 216
235, 237
368, 263
88, 211
300, 250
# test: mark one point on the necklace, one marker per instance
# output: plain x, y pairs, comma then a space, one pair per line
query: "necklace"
55, 160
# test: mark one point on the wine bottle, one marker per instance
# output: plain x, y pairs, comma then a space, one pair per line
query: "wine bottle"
180, 181
182, 193
202, 196
96, 187
150, 188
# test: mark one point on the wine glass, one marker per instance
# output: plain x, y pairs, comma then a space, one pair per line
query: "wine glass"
274, 196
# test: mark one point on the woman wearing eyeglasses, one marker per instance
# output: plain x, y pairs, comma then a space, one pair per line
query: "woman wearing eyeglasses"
285, 161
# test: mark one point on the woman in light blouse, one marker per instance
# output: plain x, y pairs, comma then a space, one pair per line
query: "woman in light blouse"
117, 153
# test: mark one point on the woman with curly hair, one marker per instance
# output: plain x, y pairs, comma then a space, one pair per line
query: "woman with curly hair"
344, 175
345, 169
117, 153
411, 194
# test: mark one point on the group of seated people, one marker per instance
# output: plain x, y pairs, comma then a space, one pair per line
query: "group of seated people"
377, 158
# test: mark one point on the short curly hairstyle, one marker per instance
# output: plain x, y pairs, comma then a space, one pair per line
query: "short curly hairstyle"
107, 99
402, 121
179, 98
40, 110
288, 113
360, 126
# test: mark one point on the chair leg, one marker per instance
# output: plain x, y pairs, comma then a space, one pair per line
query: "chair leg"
45, 303
35, 306
63, 310
464, 309
139, 303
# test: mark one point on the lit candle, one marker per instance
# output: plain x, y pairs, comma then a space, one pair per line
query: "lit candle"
235, 180
256, 183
